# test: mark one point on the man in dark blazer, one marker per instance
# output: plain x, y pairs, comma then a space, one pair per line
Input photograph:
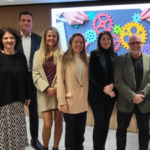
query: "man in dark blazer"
30, 43
132, 80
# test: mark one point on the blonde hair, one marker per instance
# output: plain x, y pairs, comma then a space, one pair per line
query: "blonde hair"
44, 50
69, 54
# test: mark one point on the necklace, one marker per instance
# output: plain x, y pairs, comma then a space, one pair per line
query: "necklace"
14, 72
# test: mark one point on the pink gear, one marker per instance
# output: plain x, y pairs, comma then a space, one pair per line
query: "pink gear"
116, 41
102, 23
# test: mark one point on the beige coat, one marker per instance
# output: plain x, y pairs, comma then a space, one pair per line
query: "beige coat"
71, 89
40, 81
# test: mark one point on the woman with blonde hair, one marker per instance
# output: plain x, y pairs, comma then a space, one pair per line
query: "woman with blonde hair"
44, 76
72, 91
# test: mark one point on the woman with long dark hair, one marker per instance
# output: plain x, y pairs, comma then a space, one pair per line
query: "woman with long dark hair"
102, 94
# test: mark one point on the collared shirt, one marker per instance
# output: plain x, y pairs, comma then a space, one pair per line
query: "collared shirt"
26, 43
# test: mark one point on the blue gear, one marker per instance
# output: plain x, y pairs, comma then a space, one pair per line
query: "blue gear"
146, 48
76, 26
136, 18
91, 15
91, 36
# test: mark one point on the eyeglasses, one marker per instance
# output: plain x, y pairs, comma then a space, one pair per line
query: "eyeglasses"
133, 43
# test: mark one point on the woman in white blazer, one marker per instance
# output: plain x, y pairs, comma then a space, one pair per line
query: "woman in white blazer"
72, 91
44, 76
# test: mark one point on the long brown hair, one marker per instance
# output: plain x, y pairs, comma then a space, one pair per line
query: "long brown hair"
101, 49
69, 54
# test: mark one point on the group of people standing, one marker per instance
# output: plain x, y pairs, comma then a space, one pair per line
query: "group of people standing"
64, 84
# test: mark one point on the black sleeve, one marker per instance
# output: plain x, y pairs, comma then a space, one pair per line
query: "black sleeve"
39, 38
27, 80
116, 55
94, 72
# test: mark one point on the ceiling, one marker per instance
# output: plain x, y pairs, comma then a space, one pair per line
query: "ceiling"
22, 2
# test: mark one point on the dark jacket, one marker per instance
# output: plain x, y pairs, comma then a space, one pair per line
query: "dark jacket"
35, 45
125, 83
98, 78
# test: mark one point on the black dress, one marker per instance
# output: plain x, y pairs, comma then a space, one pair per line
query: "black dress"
14, 90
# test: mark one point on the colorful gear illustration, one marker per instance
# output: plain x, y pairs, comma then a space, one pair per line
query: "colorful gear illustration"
102, 23
117, 29
91, 15
116, 42
86, 43
146, 48
76, 26
136, 18
90, 36
126, 31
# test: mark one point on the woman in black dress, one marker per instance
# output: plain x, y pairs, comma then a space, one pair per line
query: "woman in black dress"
102, 94
14, 92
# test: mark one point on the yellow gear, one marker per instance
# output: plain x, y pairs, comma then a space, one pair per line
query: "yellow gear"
126, 31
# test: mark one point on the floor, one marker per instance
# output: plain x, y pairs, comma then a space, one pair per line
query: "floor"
132, 139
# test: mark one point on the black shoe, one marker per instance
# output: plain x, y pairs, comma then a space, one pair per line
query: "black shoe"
36, 144
55, 148
45, 148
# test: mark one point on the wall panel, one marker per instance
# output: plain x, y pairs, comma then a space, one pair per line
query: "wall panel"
41, 13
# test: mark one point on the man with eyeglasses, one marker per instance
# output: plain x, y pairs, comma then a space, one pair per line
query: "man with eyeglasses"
132, 80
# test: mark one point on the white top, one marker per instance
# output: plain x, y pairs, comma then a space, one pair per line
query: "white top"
26, 43
79, 64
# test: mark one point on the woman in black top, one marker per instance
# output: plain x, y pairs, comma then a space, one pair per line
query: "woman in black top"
102, 94
14, 92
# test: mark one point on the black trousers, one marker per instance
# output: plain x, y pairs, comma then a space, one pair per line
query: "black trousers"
75, 128
33, 110
123, 120
102, 113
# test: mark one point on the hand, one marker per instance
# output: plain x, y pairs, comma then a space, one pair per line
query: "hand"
138, 98
108, 88
27, 102
64, 108
51, 91
145, 14
112, 94
75, 17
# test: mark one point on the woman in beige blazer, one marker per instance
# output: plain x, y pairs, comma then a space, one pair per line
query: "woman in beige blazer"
44, 76
72, 91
